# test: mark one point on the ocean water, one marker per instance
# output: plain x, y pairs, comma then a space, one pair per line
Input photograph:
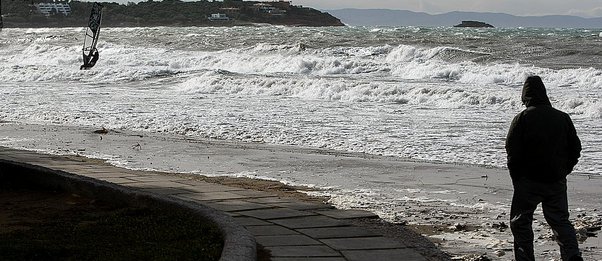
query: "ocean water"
442, 95
434, 94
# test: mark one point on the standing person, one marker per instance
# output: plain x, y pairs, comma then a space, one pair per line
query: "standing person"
543, 148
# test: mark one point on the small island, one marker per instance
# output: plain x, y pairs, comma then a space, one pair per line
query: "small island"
47, 13
476, 24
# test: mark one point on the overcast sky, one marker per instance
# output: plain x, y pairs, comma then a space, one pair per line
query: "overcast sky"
585, 8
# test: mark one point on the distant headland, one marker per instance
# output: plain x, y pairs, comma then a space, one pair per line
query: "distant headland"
164, 13
384, 17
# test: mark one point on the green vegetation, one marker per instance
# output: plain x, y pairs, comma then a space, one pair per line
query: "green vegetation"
20, 13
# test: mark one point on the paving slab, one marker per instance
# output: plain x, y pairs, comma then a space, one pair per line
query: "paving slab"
217, 195
286, 240
304, 251
310, 222
73, 168
363, 243
119, 180
232, 214
308, 259
103, 170
236, 205
252, 193
275, 213
156, 184
304, 205
339, 232
10, 158
156, 178
106, 174
270, 200
165, 191
199, 183
250, 221
33, 158
270, 230
201, 189
208, 187
347, 214
383, 255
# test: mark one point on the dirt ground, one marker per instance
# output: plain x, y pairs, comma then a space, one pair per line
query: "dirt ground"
49, 225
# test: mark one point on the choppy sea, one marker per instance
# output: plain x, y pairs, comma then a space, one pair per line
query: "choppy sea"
434, 94
444, 95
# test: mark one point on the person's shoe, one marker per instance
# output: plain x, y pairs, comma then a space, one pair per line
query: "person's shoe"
576, 258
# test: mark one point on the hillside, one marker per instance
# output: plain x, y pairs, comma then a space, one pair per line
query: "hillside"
170, 13
373, 17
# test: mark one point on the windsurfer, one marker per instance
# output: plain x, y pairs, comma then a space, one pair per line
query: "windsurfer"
91, 62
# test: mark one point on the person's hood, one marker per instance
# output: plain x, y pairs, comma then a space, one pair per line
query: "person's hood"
534, 92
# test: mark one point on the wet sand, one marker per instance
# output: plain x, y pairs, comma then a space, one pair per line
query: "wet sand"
469, 217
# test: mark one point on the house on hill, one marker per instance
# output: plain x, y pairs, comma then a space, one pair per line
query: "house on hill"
268, 9
219, 17
48, 9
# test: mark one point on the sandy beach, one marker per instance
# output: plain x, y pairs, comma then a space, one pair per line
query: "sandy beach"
462, 208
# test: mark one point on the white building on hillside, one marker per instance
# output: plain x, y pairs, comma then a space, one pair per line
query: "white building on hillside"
52, 8
219, 17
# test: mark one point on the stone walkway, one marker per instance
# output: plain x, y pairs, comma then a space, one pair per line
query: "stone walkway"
290, 229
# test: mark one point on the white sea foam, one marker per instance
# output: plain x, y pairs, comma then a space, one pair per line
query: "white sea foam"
44, 61
438, 103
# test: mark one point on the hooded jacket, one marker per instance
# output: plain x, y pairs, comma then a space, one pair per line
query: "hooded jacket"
542, 144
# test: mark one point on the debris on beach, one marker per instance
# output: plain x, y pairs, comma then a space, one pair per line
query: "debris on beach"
500, 226
458, 227
101, 131
137, 146
472, 257
586, 228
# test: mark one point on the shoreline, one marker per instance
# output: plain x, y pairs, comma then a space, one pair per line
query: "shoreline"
409, 235
466, 218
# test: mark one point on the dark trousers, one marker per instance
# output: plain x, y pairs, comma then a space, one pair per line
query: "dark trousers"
527, 195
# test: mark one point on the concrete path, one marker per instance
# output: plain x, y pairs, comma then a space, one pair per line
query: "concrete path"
290, 229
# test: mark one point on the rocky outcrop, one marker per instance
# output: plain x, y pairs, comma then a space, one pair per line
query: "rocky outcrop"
474, 24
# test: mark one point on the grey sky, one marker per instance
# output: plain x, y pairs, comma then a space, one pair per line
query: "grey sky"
585, 8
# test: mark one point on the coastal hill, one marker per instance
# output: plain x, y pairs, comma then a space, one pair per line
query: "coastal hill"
168, 13
385, 17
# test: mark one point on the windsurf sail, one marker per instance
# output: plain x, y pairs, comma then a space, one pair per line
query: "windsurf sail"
91, 37
1, 23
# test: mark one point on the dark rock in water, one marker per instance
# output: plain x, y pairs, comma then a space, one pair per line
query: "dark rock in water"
474, 24
101, 131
